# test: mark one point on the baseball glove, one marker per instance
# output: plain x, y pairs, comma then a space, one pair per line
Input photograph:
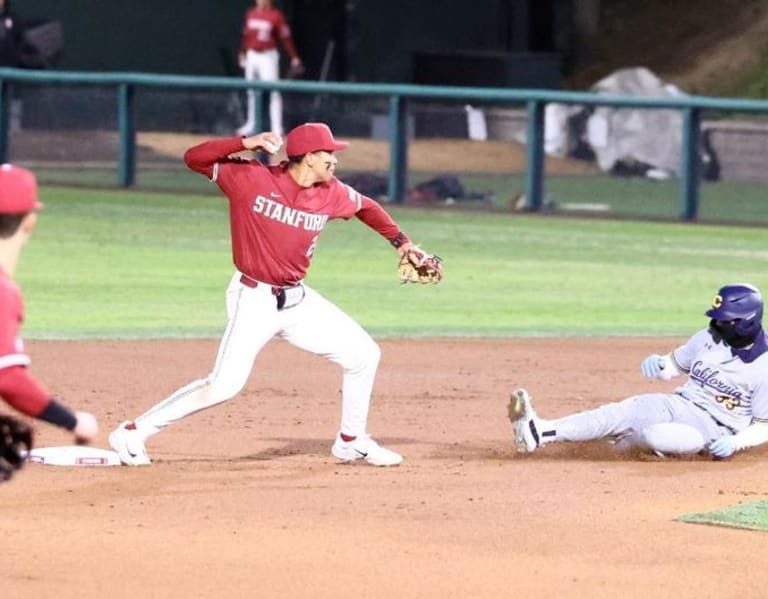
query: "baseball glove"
417, 266
15, 443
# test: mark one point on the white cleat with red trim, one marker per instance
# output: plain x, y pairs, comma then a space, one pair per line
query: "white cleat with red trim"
364, 448
129, 445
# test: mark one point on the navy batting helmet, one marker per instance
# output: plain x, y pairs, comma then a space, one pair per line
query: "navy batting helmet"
737, 313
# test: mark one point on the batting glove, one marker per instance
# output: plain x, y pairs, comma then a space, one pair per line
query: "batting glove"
653, 366
724, 447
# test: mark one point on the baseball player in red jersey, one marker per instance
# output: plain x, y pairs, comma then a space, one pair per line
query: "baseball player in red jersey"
263, 26
18, 206
277, 214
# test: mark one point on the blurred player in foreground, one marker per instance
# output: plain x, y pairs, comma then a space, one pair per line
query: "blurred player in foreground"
18, 215
722, 408
277, 214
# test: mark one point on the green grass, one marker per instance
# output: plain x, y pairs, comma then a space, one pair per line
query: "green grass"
752, 83
624, 197
637, 197
106, 264
751, 516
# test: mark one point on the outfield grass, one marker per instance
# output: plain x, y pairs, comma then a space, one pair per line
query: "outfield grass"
633, 197
119, 264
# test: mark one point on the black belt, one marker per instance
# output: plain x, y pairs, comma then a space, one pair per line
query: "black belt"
281, 293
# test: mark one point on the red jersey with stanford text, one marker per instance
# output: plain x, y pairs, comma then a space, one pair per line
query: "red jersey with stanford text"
275, 223
262, 28
11, 316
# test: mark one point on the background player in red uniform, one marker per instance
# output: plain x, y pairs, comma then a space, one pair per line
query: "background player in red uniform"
18, 206
263, 26
277, 214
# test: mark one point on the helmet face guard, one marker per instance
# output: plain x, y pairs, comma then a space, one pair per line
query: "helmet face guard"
736, 314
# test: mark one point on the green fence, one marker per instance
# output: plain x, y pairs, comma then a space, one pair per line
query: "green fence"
398, 97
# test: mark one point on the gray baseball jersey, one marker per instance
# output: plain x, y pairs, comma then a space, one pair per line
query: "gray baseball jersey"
730, 384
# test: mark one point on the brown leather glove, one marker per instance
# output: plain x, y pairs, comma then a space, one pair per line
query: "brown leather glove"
417, 266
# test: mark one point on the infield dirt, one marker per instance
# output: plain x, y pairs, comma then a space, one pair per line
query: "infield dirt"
244, 500
159, 149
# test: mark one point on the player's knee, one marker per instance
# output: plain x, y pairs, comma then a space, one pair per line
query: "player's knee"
671, 438
372, 353
642, 404
366, 355
221, 389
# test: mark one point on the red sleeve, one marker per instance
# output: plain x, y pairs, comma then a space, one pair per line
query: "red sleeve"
203, 157
284, 33
290, 47
22, 391
373, 215
12, 351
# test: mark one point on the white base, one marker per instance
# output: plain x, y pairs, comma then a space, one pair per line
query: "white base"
73, 455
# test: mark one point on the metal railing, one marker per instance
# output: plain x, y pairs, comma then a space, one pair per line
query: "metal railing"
535, 101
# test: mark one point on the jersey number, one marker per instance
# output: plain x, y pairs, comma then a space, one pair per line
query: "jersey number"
312, 246
729, 403
263, 29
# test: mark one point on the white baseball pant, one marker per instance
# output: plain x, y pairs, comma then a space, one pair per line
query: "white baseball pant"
263, 66
315, 325
665, 422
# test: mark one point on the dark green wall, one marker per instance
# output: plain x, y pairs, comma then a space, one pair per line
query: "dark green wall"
383, 38
374, 40
167, 36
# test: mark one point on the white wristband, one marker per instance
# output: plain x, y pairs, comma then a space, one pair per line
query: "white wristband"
668, 369
755, 434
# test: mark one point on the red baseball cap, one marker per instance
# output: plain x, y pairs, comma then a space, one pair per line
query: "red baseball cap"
311, 137
18, 190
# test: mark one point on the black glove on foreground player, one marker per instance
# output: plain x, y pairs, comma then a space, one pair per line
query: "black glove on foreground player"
15, 443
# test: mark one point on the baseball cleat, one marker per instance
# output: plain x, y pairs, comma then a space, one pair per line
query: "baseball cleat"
523, 419
129, 445
364, 448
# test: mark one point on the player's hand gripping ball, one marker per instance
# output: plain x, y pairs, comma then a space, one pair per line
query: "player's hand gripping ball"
272, 143
15, 444
417, 266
